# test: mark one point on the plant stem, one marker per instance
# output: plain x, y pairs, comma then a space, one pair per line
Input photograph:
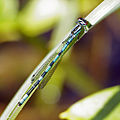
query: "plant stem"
99, 13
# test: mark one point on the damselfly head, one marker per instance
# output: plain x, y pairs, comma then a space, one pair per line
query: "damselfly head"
86, 25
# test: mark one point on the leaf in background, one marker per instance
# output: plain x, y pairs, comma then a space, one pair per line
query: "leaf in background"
98, 106
87, 5
39, 16
79, 80
8, 12
8, 9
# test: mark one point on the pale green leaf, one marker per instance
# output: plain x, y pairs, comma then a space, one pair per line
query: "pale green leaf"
102, 105
8, 13
39, 16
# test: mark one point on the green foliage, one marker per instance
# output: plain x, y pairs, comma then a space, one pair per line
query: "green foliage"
8, 13
102, 105
40, 16
86, 6
33, 19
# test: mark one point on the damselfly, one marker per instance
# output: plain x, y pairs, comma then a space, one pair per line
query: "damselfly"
46, 68
43, 74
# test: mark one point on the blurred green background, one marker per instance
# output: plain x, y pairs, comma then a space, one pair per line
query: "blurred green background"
29, 29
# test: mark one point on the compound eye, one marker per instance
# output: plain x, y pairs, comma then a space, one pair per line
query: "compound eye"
33, 75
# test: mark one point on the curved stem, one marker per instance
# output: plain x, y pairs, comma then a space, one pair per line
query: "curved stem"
99, 13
